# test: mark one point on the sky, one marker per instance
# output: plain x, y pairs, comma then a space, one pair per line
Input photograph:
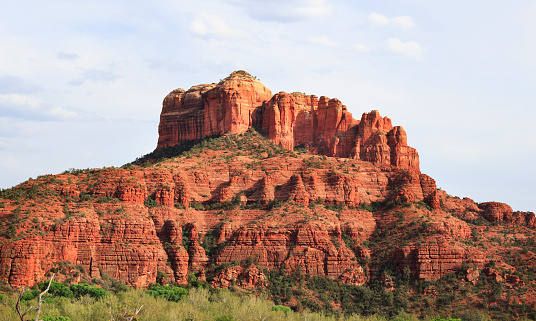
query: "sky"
82, 82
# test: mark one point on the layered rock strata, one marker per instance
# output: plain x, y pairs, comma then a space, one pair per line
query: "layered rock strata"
104, 221
322, 125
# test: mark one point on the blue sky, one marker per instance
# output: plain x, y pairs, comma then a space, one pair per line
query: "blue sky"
82, 82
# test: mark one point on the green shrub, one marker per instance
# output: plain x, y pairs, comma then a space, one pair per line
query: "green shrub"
10, 230
57, 289
281, 308
170, 293
224, 317
57, 318
197, 206
339, 207
82, 289
30, 295
210, 239
150, 201
160, 277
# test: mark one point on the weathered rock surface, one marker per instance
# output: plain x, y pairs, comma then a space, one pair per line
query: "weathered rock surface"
211, 109
323, 125
309, 248
431, 261
239, 276
469, 210
114, 246
472, 276
493, 274
103, 220
355, 276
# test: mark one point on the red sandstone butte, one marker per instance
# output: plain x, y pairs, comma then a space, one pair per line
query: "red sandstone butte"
323, 125
211, 109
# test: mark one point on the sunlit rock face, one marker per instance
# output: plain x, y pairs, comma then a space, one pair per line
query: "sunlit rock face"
324, 126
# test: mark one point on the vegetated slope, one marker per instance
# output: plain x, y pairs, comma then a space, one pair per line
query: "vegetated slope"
321, 233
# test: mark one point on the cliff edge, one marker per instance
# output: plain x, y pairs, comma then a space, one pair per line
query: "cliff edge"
324, 126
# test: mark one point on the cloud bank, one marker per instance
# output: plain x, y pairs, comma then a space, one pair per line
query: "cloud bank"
408, 48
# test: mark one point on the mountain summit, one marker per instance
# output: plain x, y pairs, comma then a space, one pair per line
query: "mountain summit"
323, 126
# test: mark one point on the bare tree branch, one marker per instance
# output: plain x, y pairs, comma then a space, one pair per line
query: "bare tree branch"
19, 311
137, 310
41, 298
38, 308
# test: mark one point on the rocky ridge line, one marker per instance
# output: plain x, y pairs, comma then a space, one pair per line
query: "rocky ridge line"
324, 126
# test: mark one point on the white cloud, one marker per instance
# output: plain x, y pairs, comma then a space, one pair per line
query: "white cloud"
403, 23
377, 19
362, 47
409, 48
207, 25
62, 113
323, 40
16, 99
314, 9
32, 108
285, 10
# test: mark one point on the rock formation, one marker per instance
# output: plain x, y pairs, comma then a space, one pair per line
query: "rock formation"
354, 208
128, 223
211, 109
324, 126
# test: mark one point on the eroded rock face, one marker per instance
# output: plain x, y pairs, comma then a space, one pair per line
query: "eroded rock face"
279, 120
472, 276
111, 228
496, 212
431, 261
323, 125
117, 247
101, 221
469, 210
356, 276
429, 190
309, 248
493, 274
211, 109
241, 277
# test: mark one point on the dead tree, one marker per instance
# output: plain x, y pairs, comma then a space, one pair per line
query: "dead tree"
38, 308
125, 313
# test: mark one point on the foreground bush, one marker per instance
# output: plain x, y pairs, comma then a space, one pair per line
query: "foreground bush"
57, 289
170, 293
198, 304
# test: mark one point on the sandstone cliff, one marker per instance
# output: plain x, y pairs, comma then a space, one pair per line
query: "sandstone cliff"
324, 126
211, 109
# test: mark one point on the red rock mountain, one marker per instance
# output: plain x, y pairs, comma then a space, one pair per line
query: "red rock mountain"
229, 207
324, 126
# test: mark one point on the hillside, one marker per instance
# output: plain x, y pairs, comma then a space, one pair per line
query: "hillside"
322, 211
